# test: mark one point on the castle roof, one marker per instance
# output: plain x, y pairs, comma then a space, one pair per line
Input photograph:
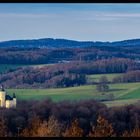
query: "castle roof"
8, 97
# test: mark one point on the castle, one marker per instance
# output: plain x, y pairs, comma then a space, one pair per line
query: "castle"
6, 100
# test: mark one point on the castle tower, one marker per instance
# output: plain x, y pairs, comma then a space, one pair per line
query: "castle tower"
2, 97
14, 100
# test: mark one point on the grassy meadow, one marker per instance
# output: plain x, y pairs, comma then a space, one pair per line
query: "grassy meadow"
96, 77
123, 93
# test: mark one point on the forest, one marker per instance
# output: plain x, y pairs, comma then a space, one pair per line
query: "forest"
15, 55
67, 74
69, 119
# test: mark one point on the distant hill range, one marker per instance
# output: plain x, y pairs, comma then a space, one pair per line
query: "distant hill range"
58, 43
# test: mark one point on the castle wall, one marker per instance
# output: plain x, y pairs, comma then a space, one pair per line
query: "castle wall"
2, 98
14, 102
9, 103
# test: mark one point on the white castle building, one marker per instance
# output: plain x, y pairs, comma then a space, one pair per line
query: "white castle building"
6, 100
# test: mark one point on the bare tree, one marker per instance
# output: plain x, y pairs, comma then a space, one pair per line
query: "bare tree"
103, 84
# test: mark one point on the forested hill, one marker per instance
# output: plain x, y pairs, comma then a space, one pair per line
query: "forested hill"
58, 43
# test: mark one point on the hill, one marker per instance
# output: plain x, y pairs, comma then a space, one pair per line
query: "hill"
65, 74
58, 43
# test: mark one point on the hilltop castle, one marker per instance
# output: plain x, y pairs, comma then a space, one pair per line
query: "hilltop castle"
6, 100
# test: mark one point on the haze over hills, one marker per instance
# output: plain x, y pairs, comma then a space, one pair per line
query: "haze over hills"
58, 43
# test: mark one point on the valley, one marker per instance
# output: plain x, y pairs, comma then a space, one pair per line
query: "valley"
69, 70
124, 93
119, 93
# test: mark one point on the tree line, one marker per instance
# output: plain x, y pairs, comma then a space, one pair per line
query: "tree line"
64, 75
130, 76
68, 119
32, 55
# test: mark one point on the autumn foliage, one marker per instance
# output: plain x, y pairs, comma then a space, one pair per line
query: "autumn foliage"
39, 128
69, 119
134, 133
102, 129
52, 128
74, 130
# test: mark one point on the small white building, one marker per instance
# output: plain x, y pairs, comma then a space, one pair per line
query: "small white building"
6, 100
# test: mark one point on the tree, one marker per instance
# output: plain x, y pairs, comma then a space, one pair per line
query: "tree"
39, 128
103, 80
3, 128
74, 130
32, 129
102, 129
51, 128
134, 133
102, 86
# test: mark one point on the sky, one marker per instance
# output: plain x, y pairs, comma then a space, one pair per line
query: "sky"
83, 21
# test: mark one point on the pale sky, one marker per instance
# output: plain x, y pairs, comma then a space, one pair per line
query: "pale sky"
92, 22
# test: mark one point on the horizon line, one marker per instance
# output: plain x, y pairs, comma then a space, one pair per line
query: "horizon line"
68, 39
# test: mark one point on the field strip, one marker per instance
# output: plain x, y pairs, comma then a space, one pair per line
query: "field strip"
127, 92
120, 102
59, 93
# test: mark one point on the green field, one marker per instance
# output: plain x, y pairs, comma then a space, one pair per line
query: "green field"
96, 77
124, 93
121, 102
